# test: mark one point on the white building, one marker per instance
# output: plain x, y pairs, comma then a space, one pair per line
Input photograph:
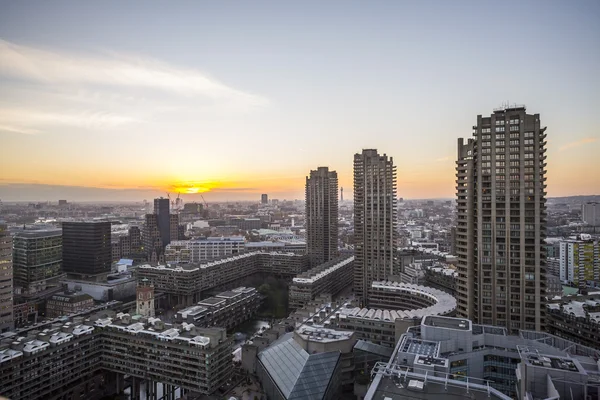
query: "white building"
216, 247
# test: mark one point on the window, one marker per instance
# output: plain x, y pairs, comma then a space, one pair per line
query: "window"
514, 170
500, 143
500, 136
528, 134
486, 158
486, 151
499, 122
514, 163
499, 129
499, 149
485, 144
486, 137
514, 121
528, 148
528, 155
499, 163
514, 135
500, 171
486, 130
528, 141
514, 142
499, 156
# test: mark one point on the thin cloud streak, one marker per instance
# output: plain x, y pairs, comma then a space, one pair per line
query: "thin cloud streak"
61, 68
12, 120
578, 143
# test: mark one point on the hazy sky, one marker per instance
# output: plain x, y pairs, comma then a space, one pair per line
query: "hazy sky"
241, 98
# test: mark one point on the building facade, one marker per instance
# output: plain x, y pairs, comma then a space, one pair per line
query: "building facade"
264, 198
6, 280
86, 250
328, 278
501, 221
67, 303
37, 261
579, 261
375, 222
213, 248
94, 357
321, 215
590, 213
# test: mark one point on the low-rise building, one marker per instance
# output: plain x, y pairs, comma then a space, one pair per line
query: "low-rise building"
67, 303
178, 251
89, 357
330, 277
213, 248
227, 309
183, 284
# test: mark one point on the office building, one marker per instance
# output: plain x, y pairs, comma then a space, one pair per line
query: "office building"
213, 248
6, 280
86, 248
328, 278
375, 233
501, 221
37, 261
89, 359
590, 213
454, 358
160, 228
68, 303
264, 198
579, 260
321, 215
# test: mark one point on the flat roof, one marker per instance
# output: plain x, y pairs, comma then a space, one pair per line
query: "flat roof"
447, 322
211, 301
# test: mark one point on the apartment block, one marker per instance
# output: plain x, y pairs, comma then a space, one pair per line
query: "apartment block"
501, 220
330, 277
178, 252
399, 304
227, 309
579, 260
321, 216
184, 283
62, 304
103, 349
375, 222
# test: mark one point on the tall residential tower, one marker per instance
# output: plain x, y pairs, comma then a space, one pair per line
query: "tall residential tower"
375, 220
501, 225
321, 215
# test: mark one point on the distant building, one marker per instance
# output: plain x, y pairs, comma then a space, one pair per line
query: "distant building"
580, 260
160, 228
178, 251
264, 198
62, 202
6, 280
246, 224
215, 247
375, 221
87, 248
321, 215
67, 303
590, 213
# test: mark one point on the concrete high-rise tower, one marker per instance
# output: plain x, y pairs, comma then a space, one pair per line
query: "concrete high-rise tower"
6, 280
501, 225
375, 220
322, 215
160, 228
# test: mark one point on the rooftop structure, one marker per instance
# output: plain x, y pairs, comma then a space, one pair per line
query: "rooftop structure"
45, 364
576, 319
452, 357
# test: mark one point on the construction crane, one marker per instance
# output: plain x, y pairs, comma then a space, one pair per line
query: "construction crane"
205, 203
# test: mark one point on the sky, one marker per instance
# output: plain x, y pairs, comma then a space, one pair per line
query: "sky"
128, 100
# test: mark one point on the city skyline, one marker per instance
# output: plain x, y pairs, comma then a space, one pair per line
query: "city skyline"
251, 104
